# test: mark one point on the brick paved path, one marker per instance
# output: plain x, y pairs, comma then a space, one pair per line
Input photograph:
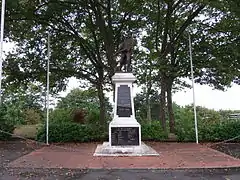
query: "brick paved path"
172, 155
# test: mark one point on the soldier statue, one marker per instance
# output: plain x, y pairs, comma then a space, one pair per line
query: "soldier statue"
126, 48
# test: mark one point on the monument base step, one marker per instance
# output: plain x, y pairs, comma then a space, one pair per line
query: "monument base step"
106, 150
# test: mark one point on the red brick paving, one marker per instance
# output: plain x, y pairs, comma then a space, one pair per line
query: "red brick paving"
172, 155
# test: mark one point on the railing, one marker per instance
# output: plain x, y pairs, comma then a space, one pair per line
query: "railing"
234, 116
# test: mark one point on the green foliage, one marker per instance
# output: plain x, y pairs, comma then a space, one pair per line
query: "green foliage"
90, 29
78, 116
71, 115
141, 107
14, 113
68, 131
24, 104
78, 98
72, 132
93, 116
84, 100
31, 117
60, 115
75, 132
220, 131
153, 131
225, 114
211, 125
211, 133
5, 125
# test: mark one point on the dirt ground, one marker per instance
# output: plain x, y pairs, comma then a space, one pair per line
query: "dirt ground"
12, 150
232, 149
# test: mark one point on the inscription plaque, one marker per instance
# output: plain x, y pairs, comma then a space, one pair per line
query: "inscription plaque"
124, 107
121, 136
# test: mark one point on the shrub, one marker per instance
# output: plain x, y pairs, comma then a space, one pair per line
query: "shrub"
72, 132
78, 116
93, 116
75, 132
60, 115
220, 131
14, 113
209, 132
31, 117
5, 125
153, 132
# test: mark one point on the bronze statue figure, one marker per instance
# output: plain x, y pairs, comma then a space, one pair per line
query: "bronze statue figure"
126, 48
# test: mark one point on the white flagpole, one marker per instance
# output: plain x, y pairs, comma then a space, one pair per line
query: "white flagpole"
1, 46
194, 101
47, 126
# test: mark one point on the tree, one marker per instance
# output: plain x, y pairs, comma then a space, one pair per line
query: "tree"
84, 38
146, 79
81, 106
83, 99
90, 31
169, 23
24, 105
142, 109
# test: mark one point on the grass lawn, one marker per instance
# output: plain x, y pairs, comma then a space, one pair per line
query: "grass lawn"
27, 131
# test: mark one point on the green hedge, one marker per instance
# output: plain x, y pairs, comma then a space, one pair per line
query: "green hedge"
74, 132
5, 125
213, 132
153, 132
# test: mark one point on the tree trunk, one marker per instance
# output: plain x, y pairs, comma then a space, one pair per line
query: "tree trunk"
163, 103
170, 107
113, 87
149, 114
149, 88
102, 104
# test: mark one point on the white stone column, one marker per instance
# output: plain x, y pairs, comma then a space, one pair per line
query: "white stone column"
125, 79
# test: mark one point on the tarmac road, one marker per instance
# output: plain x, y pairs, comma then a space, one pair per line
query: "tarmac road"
67, 174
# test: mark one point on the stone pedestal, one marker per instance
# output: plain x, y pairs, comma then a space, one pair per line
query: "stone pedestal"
124, 130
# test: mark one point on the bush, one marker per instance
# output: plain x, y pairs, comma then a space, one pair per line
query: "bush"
5, 125
220, 131
93, 116
209, 132
60, 115
78, 116
75, 132
153, 132
72, 132
32, 117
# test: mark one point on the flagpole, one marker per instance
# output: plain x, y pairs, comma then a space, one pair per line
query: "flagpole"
194, 100
1, 46
47, 121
